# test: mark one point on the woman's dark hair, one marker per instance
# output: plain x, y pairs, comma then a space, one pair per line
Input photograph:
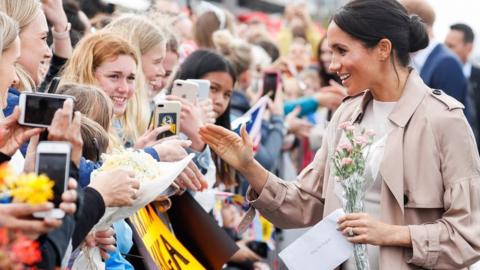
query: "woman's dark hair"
324, 75
93, 7
372, 20
196, 66
201, 62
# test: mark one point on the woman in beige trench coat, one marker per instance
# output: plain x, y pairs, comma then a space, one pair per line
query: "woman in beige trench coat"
429, 191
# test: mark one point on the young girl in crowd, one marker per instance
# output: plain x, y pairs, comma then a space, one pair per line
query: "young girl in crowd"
222, 77
149, 42
36, 61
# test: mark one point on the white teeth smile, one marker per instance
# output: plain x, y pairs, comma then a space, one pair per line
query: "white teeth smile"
344, 77
119, 99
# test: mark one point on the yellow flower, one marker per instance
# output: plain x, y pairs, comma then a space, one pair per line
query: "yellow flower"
31, 188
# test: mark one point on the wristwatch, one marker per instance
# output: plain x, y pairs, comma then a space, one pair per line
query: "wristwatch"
62, 35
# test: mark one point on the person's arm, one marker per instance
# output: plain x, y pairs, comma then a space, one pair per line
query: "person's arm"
308, 105
452, 242
285, 204
62, 46
55, 244
88, 217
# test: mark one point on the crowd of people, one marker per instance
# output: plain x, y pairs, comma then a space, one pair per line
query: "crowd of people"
377, 65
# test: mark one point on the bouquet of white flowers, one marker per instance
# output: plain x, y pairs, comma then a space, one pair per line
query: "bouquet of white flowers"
155, 177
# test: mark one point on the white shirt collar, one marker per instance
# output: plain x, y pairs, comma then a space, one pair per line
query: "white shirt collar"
419, 58
467, 69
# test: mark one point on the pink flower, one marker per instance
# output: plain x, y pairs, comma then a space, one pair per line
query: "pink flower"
362, 140
346, 146
346, 161
344, 125
370, 133
350, 128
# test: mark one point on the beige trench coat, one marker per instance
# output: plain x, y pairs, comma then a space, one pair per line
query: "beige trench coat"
430, 181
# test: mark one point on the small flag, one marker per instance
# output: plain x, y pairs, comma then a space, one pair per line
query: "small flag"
253, 120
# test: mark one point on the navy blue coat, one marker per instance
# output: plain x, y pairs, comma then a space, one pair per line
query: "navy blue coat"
442, 70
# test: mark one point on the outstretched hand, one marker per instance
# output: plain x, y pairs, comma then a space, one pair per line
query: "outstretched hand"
233, 149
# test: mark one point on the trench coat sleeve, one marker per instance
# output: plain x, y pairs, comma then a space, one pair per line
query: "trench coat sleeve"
452, 242
294, 204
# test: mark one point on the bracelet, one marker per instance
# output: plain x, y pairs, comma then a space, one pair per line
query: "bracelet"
62, 35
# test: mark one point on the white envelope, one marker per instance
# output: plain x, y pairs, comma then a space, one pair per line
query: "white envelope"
321, 248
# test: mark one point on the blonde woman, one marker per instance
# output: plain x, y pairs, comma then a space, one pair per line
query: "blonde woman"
150, 43
109, 62
31, 16
12, 135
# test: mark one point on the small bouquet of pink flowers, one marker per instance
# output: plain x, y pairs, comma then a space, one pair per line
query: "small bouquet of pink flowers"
349, 167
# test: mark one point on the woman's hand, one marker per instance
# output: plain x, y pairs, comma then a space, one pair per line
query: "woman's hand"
301, 128
233, 149
69, 198
208, 116
18, 216
104, 240
55, 14
331, 96
117, 187
236, 151
174, 150
276, 106
190, 122
361, 228
149, 138
12, 135
65, 129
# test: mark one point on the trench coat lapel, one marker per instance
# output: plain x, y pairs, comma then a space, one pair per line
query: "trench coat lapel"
392, 167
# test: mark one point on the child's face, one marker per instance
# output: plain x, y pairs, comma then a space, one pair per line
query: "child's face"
291, 89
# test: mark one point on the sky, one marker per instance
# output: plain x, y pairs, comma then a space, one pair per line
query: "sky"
452, 11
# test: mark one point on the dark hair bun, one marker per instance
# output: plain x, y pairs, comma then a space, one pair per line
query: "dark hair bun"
418, 34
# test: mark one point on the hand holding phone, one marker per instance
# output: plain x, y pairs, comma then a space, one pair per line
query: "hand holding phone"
12, 135
203, 88
185, 89
38, 109
53, 159
271, 79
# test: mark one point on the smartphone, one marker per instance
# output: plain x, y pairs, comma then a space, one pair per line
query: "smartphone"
168, 113
53, 159
38, 109
270, 83
185, 89
203, 88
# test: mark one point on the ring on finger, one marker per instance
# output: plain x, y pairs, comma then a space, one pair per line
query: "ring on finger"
350, 232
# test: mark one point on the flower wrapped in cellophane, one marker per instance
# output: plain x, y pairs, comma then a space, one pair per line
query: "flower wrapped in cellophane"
155, 177
349, 168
